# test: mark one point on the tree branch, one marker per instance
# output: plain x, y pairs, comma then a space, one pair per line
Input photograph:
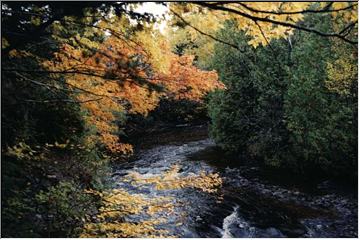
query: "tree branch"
326, 9
47, 86
263, 34
146, 80
117, 34
348, 29
264, 19
60, 100
205, 34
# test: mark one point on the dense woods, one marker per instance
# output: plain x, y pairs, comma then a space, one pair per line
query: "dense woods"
277, 83
286, 104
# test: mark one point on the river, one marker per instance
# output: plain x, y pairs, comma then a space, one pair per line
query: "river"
218, 200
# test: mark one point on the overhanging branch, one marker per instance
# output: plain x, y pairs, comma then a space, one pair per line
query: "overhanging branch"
265, 19
204, 33
326, 9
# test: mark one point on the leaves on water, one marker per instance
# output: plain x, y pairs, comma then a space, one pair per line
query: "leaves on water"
119, 204
172, 179
112, 219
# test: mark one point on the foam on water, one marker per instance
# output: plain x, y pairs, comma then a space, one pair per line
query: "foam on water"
228, 221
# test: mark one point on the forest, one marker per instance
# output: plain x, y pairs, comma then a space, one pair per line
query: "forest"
117, 116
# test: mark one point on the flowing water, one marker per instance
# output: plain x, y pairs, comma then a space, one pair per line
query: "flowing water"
242, 205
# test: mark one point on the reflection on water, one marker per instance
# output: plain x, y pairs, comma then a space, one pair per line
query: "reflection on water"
171, 191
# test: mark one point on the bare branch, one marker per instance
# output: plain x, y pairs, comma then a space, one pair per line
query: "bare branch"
49, 87
326, 9
60, 100
205, 34
263, 34
265, 19
348, 28
117, 34
93, 74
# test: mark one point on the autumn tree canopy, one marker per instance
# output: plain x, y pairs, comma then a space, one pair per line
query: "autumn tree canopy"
278, 80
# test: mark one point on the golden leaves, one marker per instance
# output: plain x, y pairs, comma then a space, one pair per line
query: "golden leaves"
341, 75
123, 230
260, 20
350, 15
20, 54
173, 180
21, 150
111, 79
160, 206
156, 48
118, 204
4, 43
260, 31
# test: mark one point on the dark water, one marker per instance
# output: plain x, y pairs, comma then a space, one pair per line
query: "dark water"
245, 205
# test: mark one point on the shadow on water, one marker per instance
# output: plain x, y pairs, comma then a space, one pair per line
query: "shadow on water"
249, 203
260, 202
251, 168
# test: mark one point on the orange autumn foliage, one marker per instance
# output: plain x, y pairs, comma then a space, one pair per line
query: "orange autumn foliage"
103, 87
185, 81
115, 79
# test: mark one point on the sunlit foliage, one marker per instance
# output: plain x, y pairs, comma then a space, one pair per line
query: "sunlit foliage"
259, 20
342, 72
121, 76
74, 75
117, 205
186, 81
172, 179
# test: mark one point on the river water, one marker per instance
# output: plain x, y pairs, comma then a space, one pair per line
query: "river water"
228, 201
